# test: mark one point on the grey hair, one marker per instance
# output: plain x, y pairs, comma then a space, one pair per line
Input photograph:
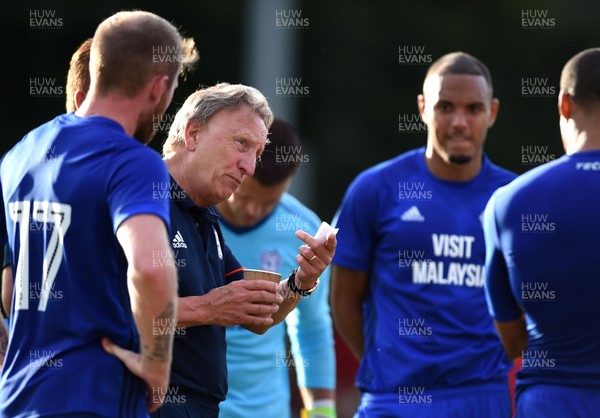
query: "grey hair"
201, 105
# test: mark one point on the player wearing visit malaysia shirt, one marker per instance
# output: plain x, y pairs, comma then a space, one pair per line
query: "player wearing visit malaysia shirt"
407, 283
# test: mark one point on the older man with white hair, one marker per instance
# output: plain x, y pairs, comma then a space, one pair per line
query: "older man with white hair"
215, 141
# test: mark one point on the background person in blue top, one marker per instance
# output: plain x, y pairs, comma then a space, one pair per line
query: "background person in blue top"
407, 281
89, 175
258, 223
213, 145
542, 260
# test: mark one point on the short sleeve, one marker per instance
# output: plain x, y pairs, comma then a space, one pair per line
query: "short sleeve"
139, 184
7, 256
356, 223
501, 302
232, 267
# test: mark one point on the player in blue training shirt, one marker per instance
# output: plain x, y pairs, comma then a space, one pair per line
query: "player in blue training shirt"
542, 271
407, 282
258, 223
83, 224
214, 142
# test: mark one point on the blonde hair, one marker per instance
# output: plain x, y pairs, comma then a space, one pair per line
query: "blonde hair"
78, 77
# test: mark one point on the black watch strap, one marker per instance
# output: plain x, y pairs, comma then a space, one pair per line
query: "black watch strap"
295, 289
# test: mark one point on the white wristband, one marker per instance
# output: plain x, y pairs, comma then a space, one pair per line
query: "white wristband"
323, 403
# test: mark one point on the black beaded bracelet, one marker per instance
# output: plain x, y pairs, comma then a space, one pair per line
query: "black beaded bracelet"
294, 288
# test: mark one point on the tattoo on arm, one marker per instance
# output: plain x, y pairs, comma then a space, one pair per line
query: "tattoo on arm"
163, 344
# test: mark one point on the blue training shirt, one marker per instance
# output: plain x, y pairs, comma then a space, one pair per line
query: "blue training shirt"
420, 238
7, 256
542, 240
204, 262
66, 188
258, 364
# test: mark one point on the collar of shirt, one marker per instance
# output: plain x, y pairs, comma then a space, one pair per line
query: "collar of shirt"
186, 203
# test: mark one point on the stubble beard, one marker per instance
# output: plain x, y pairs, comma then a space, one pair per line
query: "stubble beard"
145, 130
459, 159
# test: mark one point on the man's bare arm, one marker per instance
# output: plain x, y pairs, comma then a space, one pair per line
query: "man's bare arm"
7, 288
256, 304
152, 287
313, 258
243, 302
348, 292
513, 335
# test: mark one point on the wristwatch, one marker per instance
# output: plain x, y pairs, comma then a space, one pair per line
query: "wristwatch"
294, 288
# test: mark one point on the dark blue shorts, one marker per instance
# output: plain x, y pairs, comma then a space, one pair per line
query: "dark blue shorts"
181, 403
489, 401
550, 401
181, 411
